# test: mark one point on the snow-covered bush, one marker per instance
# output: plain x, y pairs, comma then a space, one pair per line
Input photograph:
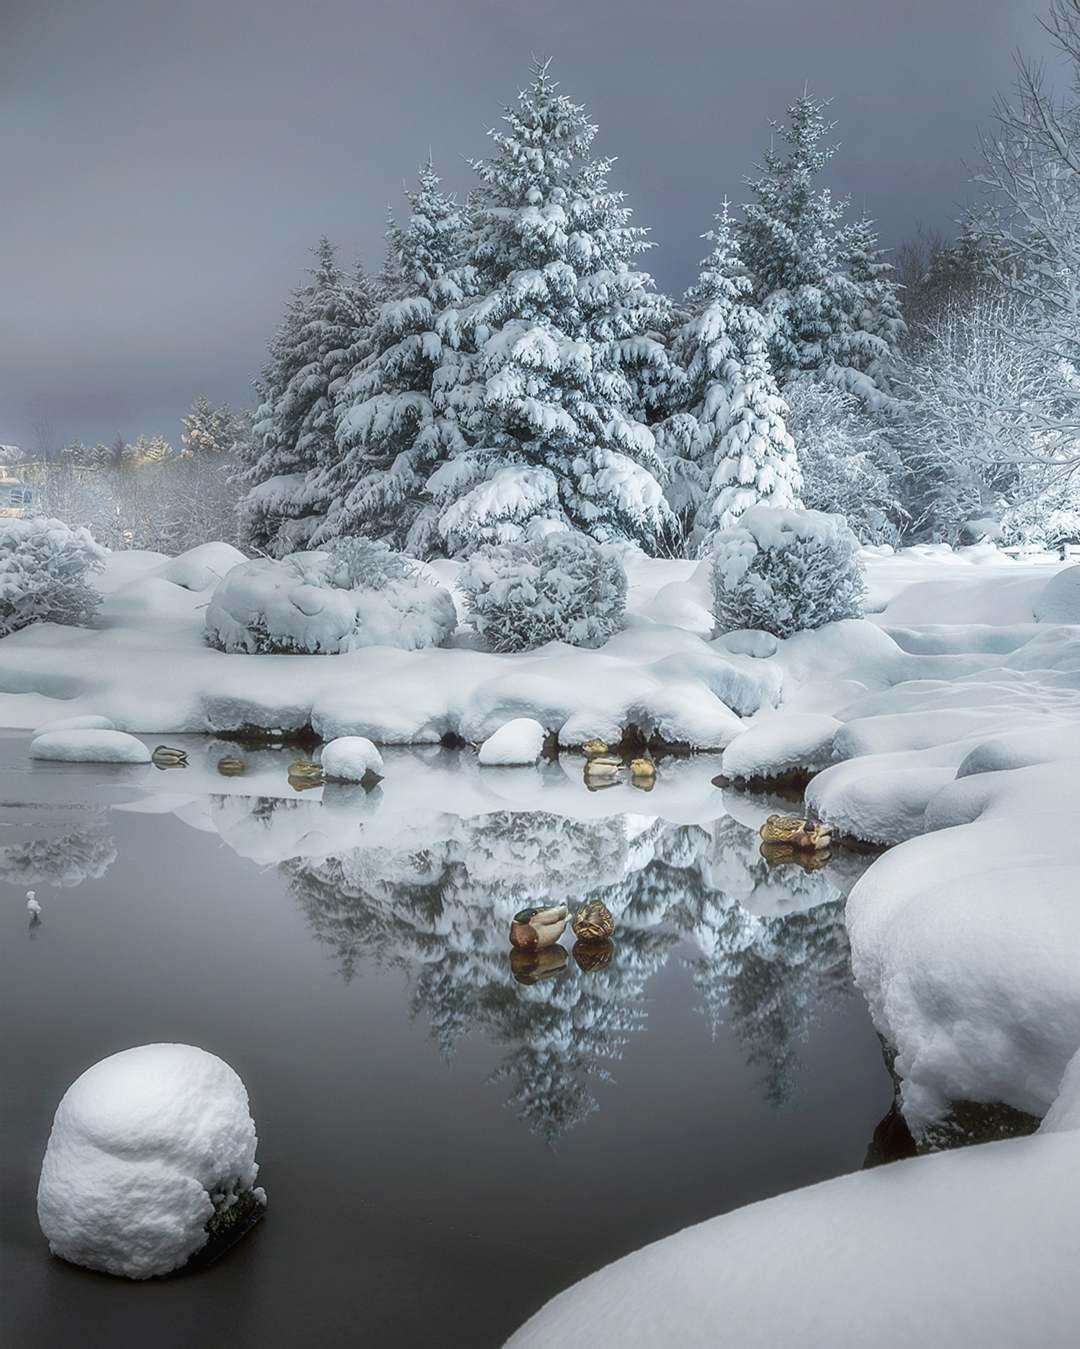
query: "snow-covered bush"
44, 566
561, 587
358, 594
785, 571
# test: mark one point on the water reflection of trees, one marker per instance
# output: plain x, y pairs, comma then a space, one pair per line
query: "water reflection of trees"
768, 947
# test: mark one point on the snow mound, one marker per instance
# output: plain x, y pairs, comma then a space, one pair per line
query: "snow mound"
972, 1247
350, 758
882, 799
1064, 1114
146, 1147
305, 603
782, 743
202, 567
89, 722
517, 742
89, 745
1060, 600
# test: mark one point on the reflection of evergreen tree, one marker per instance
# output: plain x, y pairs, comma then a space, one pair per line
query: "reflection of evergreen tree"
434, 897
66, 860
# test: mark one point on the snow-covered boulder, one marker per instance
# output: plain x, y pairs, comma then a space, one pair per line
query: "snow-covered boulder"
88, 722
520, 741
1060, 600
151, 1155
782, 743
89, 745
351, 758
561, 587
786, 571
328, 602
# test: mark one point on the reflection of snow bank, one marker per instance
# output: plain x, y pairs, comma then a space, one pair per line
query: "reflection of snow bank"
146, 1148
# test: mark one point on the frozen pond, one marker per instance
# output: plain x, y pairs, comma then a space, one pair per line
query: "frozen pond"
443, 1147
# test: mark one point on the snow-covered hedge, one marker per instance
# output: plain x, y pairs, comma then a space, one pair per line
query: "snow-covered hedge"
358, 594
784, 571
561, 587
44, 566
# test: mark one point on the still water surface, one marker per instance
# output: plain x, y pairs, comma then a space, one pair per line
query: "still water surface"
443, 1147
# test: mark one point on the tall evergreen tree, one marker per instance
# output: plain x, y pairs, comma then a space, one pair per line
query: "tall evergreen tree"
389, 434
542, 383
818, 278
293, 437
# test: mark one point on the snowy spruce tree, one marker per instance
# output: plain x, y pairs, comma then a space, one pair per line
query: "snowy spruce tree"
389, 434
544, 378
738, 452
292, 442
821, 280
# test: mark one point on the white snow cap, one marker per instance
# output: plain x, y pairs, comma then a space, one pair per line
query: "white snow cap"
350, 758
88, 745
517, 742
145, 1146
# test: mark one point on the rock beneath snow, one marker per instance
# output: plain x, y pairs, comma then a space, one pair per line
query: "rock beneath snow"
781, 744
88, 745
202, 567
88, 722
1060, 600
520, 741
749, 642
351, 758
151, 1154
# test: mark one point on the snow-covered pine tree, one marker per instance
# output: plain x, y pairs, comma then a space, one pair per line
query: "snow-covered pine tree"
293, 437
544, 379
816, 276
754, 457
389, 435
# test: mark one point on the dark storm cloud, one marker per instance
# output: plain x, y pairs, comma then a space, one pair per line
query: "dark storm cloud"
165, 165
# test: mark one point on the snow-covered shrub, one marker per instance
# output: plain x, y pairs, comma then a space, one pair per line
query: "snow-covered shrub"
561, 587
785, 571
43, 573
359, 594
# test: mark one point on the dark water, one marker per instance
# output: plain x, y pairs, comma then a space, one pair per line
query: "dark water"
443, 1148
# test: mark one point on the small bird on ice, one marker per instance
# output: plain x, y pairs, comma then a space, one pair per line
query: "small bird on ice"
33, 908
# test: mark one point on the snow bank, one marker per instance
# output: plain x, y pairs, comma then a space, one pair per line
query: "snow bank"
146, 1149
973, 1247
88, 745
1060, 599
89, 722
520, 741
350, 758
780, 743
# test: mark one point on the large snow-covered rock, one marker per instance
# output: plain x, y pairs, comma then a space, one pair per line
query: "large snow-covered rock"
350, 758
972, 1247
89, 745
306, 602
148, 1149
519, 741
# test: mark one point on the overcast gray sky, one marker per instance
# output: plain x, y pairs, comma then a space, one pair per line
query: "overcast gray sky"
166, 164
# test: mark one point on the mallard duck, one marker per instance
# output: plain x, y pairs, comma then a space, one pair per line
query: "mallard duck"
643, 774
535, 928
796, 832
595, 749
602, 771
165, 756
304, 768
777, 854
592, 955
529, 967
593, 922
231, 767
